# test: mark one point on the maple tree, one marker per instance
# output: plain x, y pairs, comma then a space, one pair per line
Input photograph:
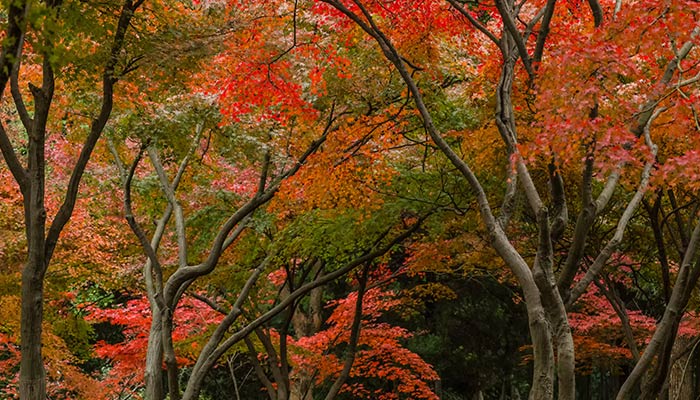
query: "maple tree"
291, 343
552, 143
523, 36
381, 357
20, 67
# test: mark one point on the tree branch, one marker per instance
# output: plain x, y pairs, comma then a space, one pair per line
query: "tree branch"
544, 31
516, 36
478, 25
631, 208
155, 267
354, 338
174, 203
10, 58
96, 128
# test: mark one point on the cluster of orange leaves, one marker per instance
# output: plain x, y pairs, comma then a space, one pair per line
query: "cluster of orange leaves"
380, 354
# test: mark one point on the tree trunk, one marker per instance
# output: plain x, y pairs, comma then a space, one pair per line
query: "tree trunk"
306, 324
153, 373
543, 352
169, 354
32, 374
682, 380
40, 241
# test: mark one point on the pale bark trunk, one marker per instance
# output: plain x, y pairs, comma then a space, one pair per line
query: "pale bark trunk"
682, 379
543, 351
301, 389
673, 312
563, 340
153, 373
169, 354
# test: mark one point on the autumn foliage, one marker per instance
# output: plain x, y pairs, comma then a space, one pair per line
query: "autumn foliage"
193, 190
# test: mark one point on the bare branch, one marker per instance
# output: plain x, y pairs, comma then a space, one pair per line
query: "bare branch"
174, 203
597, 12
544, 30
18, 171
516, 36
9, 59
478, 25
154, 263
508, 205
649, 107
253, 355
211, 303
608, 289
27, 121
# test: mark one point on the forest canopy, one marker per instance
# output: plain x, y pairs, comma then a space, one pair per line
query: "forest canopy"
349, 199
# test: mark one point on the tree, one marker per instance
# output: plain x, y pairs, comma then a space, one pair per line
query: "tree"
381, 366
37, 28
522, 34
192, 320
317, 250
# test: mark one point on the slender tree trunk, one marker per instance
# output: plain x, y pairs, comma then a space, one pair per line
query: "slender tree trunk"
681, 381
153, 374
687, 278
169, 354
352, 342
307, 324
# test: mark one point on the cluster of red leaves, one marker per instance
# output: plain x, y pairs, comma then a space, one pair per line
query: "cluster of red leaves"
192, 320
380, 355
598, 332
617, 70
257, 77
